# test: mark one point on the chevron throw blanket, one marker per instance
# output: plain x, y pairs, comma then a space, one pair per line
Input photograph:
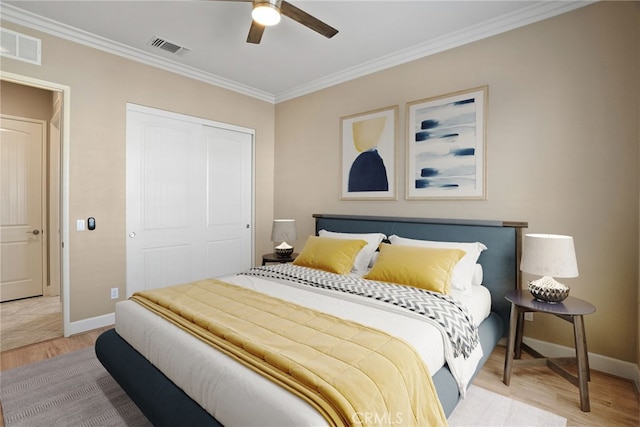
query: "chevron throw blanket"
446, 313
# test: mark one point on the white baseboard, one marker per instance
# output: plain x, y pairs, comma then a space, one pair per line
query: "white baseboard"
598, 362
89, 324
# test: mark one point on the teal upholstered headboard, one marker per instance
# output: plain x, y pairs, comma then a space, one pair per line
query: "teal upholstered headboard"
500, 262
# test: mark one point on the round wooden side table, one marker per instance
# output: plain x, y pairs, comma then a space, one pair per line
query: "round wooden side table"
572, 310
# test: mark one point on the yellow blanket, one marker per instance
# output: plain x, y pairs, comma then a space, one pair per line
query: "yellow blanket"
352, 374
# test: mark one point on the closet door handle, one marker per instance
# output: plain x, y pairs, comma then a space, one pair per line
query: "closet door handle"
34, 232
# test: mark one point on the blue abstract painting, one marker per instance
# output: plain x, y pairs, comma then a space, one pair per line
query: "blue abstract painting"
446, 146
368, 154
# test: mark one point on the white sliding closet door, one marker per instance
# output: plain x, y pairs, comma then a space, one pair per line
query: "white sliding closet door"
189, 199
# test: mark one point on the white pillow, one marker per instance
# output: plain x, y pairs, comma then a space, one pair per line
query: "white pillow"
361, 264
462, 274
478, 275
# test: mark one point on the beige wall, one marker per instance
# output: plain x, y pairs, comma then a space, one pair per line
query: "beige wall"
562, 151
101, 86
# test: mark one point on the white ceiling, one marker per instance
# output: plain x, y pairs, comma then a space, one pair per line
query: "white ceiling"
291, 60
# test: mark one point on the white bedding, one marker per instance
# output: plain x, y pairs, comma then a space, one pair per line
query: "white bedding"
223, 387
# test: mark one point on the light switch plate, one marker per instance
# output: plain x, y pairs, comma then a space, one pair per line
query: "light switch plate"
80, 225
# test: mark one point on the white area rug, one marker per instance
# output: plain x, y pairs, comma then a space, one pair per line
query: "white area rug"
484, 408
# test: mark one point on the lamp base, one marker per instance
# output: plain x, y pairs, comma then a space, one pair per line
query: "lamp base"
547, 289
283, 250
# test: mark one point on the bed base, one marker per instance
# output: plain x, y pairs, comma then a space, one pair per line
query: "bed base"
165, 404
159, 399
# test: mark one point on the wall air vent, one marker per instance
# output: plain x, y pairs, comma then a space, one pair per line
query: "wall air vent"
19, 46
168, 46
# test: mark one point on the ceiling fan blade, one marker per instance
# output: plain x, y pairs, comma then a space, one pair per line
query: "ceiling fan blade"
299, 15
255, 33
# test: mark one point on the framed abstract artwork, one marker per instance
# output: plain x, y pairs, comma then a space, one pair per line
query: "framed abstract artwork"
446, 146
368, 143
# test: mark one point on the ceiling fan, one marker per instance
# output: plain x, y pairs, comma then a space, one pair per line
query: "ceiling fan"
267, 12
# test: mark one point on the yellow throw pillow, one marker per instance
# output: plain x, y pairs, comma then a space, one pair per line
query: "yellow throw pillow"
426, 268
329, 254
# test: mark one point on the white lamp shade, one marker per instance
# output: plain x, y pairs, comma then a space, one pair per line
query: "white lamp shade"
550, 255
284, 230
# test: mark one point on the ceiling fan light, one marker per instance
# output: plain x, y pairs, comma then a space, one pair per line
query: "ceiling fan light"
266, 14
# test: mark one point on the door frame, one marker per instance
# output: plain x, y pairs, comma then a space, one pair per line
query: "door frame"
65, 128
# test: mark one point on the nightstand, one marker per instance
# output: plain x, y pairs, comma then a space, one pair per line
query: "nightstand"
272, 257
572, 310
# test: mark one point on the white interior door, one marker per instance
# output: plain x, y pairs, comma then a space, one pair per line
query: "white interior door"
22, 240
189, 200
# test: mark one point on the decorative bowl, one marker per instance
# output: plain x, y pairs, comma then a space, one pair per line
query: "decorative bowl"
552, 293
284, 252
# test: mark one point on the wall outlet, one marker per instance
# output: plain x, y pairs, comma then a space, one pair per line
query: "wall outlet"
114, 293
528, 316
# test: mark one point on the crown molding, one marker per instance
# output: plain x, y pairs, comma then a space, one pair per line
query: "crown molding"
39, 23
504, 23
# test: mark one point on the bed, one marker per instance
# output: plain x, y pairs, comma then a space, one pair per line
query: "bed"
141, 336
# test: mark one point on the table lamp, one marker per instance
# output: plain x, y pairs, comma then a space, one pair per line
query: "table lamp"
283, 230
549, 256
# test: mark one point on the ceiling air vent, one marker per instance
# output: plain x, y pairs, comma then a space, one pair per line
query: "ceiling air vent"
168, 46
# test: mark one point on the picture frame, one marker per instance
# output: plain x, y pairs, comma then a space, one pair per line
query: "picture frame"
368, 160
446, 146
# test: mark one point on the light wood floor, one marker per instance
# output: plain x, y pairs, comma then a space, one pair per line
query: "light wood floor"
614, 401
46, 349
29, 321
